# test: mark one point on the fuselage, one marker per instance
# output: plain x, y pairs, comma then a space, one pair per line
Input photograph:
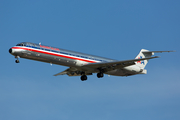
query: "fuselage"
64, 57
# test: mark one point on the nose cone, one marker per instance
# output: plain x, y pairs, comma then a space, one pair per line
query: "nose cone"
10, 50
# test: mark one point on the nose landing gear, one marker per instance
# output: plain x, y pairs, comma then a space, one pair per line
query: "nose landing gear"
17, 61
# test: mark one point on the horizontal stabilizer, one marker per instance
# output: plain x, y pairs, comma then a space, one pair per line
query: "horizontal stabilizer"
157, 51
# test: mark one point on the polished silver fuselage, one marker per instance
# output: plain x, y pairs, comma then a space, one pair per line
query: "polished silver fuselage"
64, 57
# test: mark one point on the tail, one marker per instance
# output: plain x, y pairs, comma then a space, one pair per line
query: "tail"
143, 54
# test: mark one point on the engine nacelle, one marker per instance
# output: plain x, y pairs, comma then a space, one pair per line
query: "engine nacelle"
134, 68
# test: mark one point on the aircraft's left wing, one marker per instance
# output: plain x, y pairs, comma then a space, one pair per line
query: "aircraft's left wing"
63, 73
72, 71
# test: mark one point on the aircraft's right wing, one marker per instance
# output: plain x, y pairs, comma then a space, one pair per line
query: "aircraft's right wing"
94, 67
108, 66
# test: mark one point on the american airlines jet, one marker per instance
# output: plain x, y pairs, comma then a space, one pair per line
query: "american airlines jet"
81, 64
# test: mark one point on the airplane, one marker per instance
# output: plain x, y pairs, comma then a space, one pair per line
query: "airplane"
81, 64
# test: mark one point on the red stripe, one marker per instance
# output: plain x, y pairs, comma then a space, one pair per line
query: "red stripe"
44, 52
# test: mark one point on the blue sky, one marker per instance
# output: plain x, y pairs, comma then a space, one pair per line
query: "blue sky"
114, 29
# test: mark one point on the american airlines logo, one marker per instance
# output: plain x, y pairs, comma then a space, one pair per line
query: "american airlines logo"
141, 62
49, 47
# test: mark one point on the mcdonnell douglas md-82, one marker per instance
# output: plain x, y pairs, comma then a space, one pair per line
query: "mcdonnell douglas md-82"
81, 64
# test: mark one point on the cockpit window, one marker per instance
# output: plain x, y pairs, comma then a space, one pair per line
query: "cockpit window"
20, 44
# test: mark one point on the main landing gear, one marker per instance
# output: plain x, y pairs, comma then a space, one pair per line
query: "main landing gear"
100, 75
17, 61
84, 77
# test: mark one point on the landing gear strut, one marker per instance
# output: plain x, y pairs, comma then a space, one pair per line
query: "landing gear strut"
17, 61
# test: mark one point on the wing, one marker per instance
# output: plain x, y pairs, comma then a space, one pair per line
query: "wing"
95, 67
74, 72
108, 66
63, 73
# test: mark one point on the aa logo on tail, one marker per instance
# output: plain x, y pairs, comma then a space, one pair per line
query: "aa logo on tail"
141, 62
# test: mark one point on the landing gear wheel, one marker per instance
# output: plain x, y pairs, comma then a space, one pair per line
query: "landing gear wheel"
83, 77
100, 75
17, 61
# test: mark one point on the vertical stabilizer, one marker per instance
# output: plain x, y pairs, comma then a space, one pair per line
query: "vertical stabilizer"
143, 54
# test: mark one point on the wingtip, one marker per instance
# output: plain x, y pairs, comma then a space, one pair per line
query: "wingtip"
157, 56
173, 51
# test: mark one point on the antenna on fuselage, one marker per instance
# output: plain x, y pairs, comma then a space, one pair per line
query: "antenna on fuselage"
40, 43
